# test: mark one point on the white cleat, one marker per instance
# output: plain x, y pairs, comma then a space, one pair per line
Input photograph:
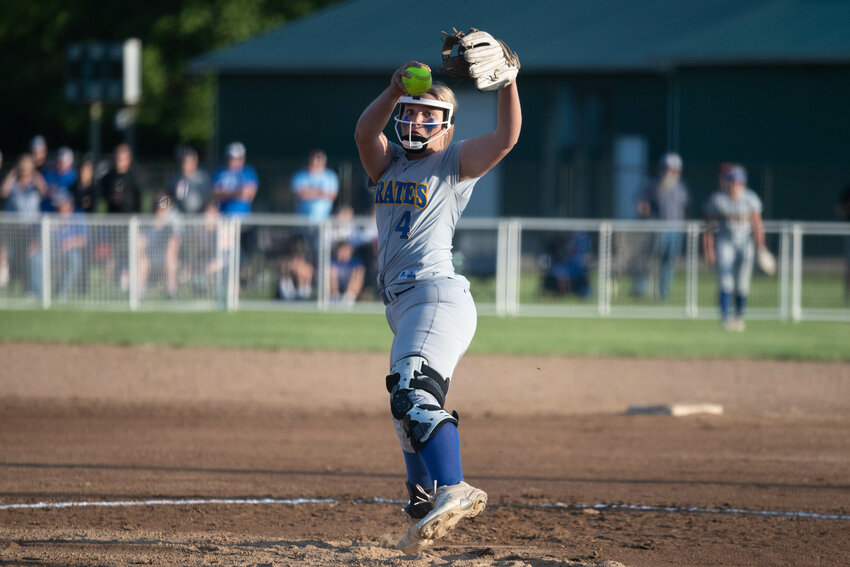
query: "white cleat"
734, 325
451, 504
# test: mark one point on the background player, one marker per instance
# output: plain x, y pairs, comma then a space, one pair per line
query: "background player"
733, 217
665, 198
423, 186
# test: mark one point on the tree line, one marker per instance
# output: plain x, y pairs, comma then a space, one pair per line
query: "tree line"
177, 106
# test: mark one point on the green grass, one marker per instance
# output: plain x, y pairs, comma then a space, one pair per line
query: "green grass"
358, 332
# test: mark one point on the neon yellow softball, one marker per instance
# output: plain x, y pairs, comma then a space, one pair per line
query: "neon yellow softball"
418, 82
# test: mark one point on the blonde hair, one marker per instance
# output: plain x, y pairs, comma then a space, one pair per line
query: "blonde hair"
443, 93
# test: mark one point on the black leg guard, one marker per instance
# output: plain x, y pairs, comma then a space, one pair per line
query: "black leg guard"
414, 387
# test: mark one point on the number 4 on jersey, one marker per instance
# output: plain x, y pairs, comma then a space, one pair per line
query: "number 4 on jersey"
403, 225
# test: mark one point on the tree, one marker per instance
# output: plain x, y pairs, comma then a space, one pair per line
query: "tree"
176, 106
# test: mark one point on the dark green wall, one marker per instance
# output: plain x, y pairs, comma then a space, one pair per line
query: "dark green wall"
779, 115
285, 116
789, 125
575, 166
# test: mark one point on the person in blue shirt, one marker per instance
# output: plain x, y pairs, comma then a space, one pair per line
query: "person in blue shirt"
235, 185
70, 239
315, 187
59, 178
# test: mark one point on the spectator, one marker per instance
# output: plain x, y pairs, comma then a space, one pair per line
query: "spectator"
83, 189
59, 178
38, 150
347, 273
69, 241
209, 252
235, 185
843, 210
733, 223
84, 195
120, 186
295, 281
23, 188
4, 256
159, 246
122, 193
190, 187
343, 227
664, 198
315, 187
568, 267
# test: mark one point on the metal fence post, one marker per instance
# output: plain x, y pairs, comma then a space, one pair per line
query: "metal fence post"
514, 268
784, 271
797, 274
133, 262
46, 276
235, 259
324, 267
692, 270
222, 262
502, 252
604, 273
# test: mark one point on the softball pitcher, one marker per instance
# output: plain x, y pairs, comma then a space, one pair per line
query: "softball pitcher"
423, 185
733, 221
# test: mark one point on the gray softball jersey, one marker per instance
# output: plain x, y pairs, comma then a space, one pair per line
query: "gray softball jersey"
417, 206
733, 215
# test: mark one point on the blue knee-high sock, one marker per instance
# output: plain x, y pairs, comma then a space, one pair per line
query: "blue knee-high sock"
442, 456
725, 302
417, 472
740, 304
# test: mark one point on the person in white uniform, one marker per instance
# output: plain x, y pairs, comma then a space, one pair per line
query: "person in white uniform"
734, 231
423, 185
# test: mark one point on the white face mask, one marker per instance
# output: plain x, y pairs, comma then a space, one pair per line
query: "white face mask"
416, 143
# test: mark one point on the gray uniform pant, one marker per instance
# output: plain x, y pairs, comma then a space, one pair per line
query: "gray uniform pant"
734, 265
434, 319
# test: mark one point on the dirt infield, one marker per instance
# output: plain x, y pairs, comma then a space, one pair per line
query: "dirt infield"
148, 455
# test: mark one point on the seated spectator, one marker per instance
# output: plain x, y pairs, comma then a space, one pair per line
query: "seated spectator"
347, 273
207, 251
68, 245
159, 246
342, 226
295, 281
568, 267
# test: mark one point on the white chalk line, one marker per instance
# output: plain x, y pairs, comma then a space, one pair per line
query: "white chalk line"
299, 501
697, 509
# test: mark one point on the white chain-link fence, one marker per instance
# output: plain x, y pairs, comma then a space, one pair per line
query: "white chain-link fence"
535, 267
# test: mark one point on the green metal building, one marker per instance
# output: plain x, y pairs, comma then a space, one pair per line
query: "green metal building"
607, 87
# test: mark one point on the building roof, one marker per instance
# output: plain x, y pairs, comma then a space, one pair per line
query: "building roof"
550, 36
